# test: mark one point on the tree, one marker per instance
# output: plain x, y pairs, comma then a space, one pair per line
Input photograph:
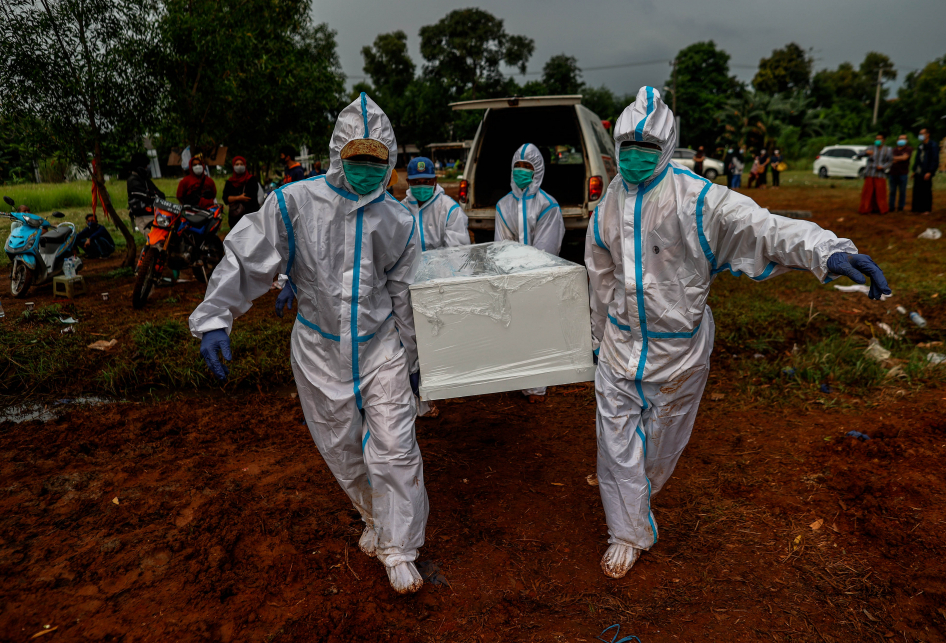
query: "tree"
388, 64
603, 102
252, 74
921, 101
465, 49
82, 70
561, 75
787, 70
748, 119
703, 87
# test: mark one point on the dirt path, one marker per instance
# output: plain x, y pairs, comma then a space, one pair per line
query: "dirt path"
228, 526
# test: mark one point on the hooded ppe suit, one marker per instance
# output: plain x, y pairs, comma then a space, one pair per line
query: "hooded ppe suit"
442, 223
652, 251
530, 216
350, 260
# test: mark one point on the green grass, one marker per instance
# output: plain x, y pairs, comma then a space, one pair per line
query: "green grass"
36, 356
43, 198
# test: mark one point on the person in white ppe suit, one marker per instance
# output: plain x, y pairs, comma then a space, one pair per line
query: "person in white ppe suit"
530, 216
654, 245
349, 250
441, 222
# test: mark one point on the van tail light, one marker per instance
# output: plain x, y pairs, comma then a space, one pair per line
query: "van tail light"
464, 190
817, 157
595, 188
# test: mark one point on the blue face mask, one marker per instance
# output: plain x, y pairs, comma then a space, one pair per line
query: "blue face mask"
901, 143
522, 177
364, 176
637, 164
878, 143
922, 137
422, 192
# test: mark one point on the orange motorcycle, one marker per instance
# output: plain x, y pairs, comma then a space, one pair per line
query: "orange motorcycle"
180, 237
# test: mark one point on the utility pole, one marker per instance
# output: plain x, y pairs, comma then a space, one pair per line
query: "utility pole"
880, 72
674, 63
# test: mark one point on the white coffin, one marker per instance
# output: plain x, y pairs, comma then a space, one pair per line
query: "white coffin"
500, 317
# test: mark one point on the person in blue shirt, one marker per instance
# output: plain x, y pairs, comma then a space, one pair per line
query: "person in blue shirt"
94, 240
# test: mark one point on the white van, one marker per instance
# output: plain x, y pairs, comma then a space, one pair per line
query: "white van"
578, 152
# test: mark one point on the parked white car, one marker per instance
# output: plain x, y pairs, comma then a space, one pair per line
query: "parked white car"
711, 167
841, 161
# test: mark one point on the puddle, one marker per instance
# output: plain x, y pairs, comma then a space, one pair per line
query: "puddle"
44, 412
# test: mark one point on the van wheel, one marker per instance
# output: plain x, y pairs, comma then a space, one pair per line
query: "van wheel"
823, 172
21, 279
710, 175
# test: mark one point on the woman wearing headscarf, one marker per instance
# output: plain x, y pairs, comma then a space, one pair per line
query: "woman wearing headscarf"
197, 189
241, 192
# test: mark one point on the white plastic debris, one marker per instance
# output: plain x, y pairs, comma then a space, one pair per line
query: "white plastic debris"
888, 330
935, 358
855, 288
931, 233
875, 351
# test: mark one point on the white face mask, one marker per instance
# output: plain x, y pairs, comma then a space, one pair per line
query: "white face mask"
239, 169
197, 170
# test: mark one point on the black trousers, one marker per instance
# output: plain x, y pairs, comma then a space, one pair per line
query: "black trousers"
922, 194
774, 178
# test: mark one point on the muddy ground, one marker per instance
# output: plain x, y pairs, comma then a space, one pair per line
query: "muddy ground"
211, 516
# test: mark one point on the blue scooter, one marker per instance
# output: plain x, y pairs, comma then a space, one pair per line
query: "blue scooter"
37, 249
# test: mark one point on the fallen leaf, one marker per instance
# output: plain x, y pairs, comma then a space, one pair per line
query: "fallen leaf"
816, 525
103, 345
717, 396
558, 484
592, 479
871, 617
115, 500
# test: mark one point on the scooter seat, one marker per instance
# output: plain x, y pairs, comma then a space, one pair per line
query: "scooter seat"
196, 218
55, 236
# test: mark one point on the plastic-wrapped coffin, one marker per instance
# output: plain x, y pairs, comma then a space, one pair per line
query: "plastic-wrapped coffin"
500, 317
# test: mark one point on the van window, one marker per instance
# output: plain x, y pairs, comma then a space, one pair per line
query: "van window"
554, 130
605, 144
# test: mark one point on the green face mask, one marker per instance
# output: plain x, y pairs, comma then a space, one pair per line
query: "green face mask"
637, 164
364, 176
522, 177
422, 192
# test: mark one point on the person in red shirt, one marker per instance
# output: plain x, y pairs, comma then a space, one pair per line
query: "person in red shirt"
294, 169
197, 189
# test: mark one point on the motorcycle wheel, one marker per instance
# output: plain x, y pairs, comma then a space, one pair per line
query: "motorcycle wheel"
146, 278
21, 279
212, 255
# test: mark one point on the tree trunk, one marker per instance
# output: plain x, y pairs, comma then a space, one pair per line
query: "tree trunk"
131, 251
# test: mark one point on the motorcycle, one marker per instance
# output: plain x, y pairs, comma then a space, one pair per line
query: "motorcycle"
37, 249
180, 237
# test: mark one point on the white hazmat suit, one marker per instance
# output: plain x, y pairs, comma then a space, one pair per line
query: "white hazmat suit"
530, 216
652, 251
350, 260
442, 223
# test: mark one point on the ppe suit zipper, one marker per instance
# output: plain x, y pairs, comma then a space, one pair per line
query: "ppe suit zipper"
356, 278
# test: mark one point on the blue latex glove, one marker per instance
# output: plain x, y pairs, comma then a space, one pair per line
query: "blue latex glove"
212, 342
594, 357
284, 299
415, 383
852, 266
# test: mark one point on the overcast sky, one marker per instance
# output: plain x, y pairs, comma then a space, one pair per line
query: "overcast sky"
611, 32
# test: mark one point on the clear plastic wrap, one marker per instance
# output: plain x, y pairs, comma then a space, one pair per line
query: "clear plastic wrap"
497, 317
